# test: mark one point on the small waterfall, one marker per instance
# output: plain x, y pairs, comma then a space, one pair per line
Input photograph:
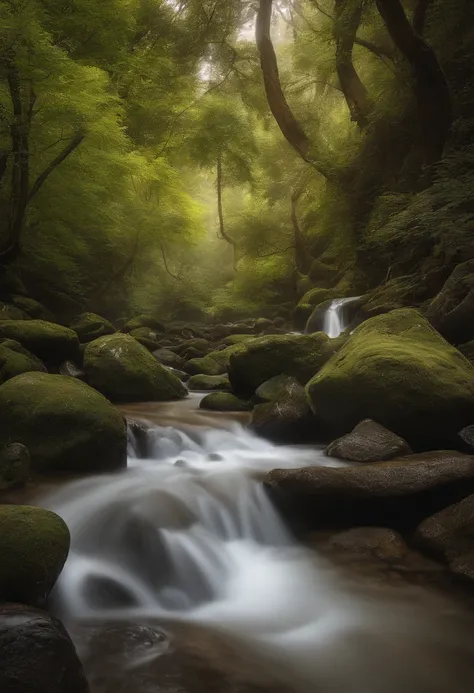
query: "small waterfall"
335, 318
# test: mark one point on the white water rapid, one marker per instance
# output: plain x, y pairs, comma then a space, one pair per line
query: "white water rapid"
335, 318
189, 535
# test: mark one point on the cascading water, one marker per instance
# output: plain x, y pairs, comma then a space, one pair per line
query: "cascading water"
335, 317
188, 534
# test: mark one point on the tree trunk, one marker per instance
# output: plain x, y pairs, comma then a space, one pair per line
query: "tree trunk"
435, 111
220, 211
302, 257
347, 21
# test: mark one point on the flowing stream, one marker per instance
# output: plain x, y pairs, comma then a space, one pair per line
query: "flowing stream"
186, 535
335, 319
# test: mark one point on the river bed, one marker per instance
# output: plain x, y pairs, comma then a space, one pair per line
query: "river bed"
183, 578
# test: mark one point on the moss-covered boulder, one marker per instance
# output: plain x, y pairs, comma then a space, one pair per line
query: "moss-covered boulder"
33, 309
224, 401
50, 342
271, 389
124, 371
397, 370
452, 311
301, 315
209, 382
288, 418
65, 424
168, 357
11, 312
34, 544
144, 321
14, 465
90, 326
15, 359
300, 356
315, 297
197, 344
215, 363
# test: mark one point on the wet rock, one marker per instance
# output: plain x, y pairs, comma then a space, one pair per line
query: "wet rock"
14, 465
397, 370
315, 321
209, 382
167, 357
90, 326
50, 342
452, 311
137, 436
36, 654
72, 370
124, 371
380, 542
224, 401
449, 534
396, 494
272, 388
144, 321
15, 359
256, 361
65, 424
368, 442
34, 544
288, 418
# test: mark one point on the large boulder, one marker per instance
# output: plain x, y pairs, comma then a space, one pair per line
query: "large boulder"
34, 544
34, 309
368, 442
15, 359
288, 418
451, 312
271, 389
65, 424
125, 371
300, 356
36, 654
14, 466
449, 534
90, 326
397, 370
396, 494
50, 342
168, 357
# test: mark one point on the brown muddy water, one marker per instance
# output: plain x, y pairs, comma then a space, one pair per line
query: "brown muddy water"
182, 578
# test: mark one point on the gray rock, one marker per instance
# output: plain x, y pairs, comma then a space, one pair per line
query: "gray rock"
36, 654
369, 442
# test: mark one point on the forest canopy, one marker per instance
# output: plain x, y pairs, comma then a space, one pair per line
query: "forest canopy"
202, 158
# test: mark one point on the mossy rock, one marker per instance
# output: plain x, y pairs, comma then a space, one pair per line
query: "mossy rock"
33, 309
452, 311
144, 321
401, 292
10, 312
468, 350
90, 326
288, 418
262, 324
50, 342
65, 424
304, 285
200, 346
209, 382
215, 363
34, 544
124, 371
300, 356
14, 466
301, 315
224, 401
270, 390
317, 296
15, 359
397, 370
234, 339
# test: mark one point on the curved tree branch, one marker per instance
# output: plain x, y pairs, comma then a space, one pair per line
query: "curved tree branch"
57, 161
